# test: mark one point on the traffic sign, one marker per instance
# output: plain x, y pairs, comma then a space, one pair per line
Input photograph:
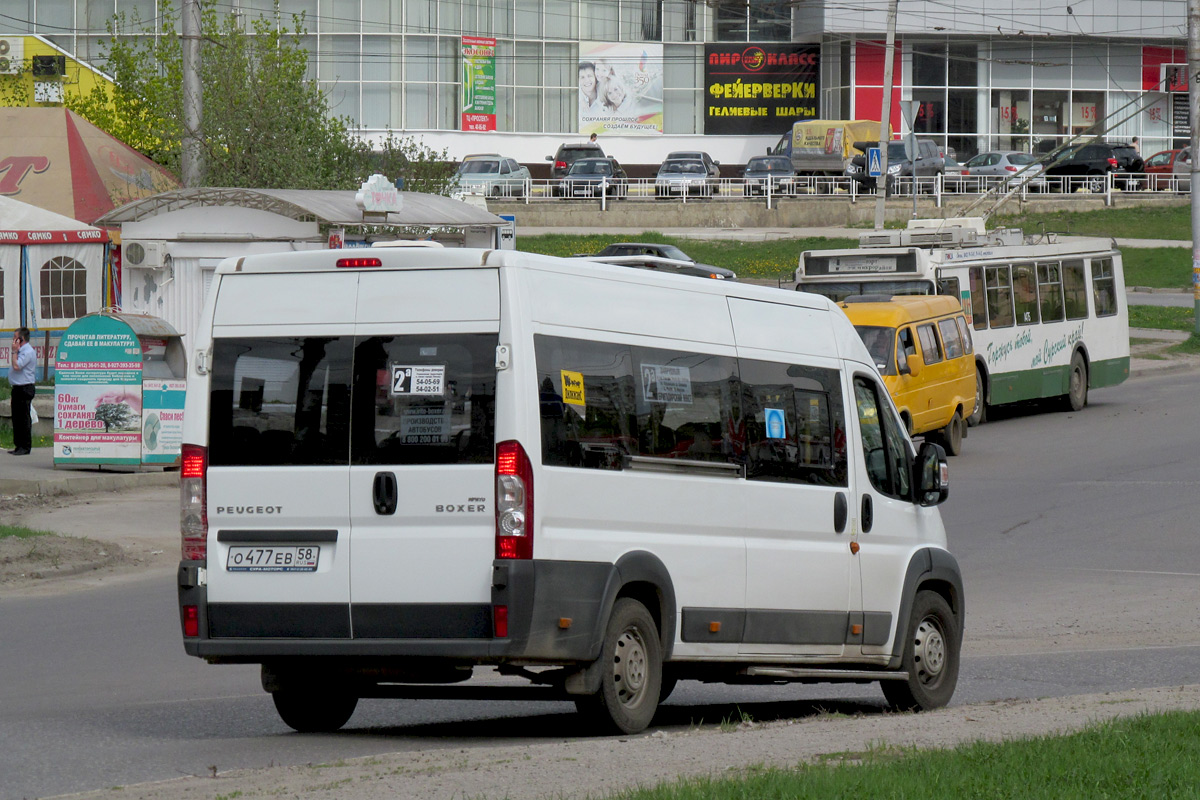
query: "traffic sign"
874, 162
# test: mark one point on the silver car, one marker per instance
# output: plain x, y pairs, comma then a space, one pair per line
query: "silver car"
493, 176
1012, 165
682, 178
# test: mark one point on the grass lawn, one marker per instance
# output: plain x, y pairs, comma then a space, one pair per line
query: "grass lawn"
1162, 318
17, 532
1127, 759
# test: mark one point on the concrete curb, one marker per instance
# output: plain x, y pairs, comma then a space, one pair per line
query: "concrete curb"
86, 482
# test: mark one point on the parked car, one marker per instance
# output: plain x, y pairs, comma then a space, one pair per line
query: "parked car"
713, 168
1087, 165
1160, 169
494, 176
1012, 165
928, 163
568, 154
589, 177
1182, 170
684, 178
955, 176
764, 171
656, 256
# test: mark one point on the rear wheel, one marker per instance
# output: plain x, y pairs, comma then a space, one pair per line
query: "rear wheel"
1077, 391
952, 435
314, 711
931, 653
979, 415
1095, 182
631, 680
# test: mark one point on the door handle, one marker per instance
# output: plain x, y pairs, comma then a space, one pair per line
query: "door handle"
385, 493
841, 510
868, 513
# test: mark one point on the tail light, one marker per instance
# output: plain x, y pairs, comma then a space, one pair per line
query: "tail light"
193, 502
560, 165
1011, 168
1112, 163
191, 621
514, 502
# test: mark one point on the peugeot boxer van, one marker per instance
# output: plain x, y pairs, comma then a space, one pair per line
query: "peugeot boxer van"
921, 345
406, 465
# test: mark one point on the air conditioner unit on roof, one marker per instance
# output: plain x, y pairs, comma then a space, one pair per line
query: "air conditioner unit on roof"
145, 255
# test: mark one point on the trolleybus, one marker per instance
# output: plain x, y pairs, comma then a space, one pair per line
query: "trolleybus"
1048, 313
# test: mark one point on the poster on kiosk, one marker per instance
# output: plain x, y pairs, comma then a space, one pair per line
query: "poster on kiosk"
119, 391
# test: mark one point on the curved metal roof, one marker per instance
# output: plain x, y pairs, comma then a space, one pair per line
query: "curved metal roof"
322, 206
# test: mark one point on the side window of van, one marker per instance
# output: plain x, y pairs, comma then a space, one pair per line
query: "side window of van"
687, 404
424, 399
968, 345
931, 349
795, 423
281, 400
601, 402
951, 337
884, 450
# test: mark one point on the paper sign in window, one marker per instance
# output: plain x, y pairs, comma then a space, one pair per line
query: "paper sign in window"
572, 388
665, 383
775, 422
424, 379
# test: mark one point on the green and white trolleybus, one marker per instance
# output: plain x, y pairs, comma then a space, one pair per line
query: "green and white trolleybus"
1048, 313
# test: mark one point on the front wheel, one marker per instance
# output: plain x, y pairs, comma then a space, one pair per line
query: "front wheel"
631, 677
1077, 391
1095, 183
979, 415
931, 654
314, 712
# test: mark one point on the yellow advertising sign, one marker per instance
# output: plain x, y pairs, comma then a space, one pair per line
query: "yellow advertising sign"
572, 388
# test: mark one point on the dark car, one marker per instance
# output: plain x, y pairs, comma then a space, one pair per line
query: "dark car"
768, 171
568, 154
927, 164
1086, 165
591, 177
663, 258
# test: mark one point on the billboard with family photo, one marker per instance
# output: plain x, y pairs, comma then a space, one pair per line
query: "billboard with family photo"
620, 88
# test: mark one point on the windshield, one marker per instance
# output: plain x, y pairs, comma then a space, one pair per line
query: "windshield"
838, 291
684, 167
879, 342
896, 152
769, 165
481, 167
590, 167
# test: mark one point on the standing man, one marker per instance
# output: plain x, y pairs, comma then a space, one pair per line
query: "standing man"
20, 375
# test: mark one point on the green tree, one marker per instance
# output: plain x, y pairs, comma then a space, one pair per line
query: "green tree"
114, 415
264, 123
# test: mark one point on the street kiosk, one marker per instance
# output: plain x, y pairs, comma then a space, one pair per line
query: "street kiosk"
118, 391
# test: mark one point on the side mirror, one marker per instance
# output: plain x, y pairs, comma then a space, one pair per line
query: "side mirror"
549, 158
908, 365
931, 475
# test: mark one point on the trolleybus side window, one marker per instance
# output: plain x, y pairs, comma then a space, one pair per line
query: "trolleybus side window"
978, 299
1050, 292
1075, 289
1104, 287
1025, 294
948, 287
931, 349
950, 337
999, 297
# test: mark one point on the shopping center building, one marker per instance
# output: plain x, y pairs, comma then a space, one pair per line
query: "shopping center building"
726, 76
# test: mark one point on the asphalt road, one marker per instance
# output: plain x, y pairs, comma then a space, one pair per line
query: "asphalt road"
1076, 533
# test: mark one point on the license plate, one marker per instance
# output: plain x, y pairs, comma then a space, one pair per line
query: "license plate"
302, 558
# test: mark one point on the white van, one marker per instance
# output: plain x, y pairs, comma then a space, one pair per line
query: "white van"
404, 463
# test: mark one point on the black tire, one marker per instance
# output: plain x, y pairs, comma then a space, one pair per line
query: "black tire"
979, 415
314, 711
951, 436
631, 680
931, 654
1095, 182
670, 679
1077, 388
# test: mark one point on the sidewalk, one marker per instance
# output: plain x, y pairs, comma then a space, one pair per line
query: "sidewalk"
36, 474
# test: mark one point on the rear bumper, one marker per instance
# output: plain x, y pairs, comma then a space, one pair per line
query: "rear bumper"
555, 610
